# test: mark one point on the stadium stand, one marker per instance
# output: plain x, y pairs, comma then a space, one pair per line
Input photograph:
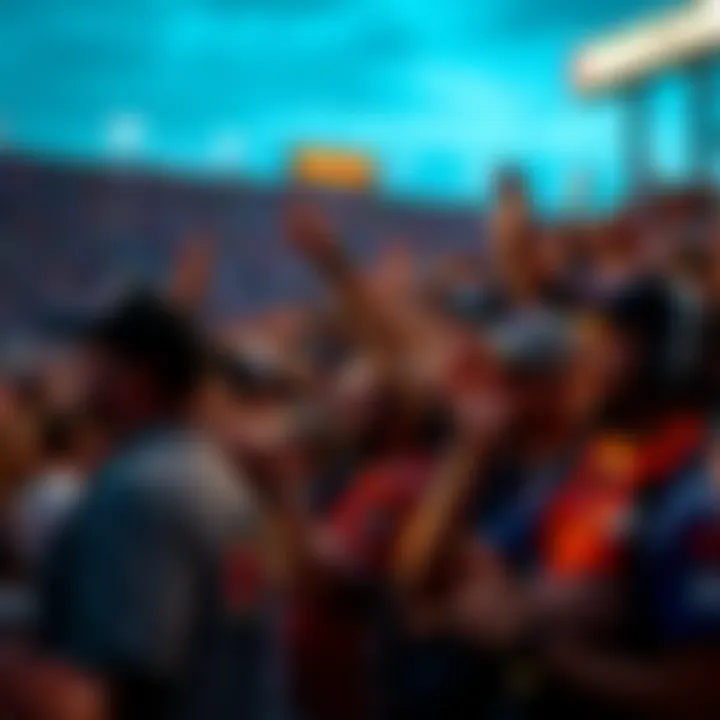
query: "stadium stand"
70, 234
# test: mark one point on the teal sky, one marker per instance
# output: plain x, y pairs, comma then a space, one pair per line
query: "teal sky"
439, 91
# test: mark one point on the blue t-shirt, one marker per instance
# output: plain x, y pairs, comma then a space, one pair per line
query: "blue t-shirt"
157, 584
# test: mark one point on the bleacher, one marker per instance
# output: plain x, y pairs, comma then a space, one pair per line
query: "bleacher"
70, 234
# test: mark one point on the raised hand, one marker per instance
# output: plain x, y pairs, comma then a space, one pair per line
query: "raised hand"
309, 231
191, 272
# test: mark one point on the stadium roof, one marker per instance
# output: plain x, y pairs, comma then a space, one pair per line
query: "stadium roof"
645, 49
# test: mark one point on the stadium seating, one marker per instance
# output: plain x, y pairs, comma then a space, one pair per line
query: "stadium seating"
70, 234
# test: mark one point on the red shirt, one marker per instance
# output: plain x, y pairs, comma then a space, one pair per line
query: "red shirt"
332, 646
365, 523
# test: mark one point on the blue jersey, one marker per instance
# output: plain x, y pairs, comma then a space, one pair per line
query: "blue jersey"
157, 585
446, 677
678, 561
512, 526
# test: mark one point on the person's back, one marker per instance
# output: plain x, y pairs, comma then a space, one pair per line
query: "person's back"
158, 584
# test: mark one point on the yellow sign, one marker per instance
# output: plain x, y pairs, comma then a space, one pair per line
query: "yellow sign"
336, 169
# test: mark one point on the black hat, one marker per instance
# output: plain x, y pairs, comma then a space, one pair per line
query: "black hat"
665, 322
644, 308
147, 330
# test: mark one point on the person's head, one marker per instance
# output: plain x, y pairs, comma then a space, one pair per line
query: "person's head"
243, 385
648, 349
145, 363
537, 353
20, 438
514, 249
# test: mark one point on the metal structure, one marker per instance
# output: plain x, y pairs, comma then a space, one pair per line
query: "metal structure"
624, 65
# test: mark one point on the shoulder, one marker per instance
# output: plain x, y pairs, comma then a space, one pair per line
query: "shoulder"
180, 478
48, 493
688, 507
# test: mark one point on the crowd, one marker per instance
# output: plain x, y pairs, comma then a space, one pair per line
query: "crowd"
487, 486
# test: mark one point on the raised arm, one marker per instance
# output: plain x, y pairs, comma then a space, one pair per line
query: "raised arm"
379, 329
481, 417
190, 273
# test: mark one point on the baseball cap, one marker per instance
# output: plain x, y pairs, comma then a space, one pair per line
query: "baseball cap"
251, 375
534, 343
